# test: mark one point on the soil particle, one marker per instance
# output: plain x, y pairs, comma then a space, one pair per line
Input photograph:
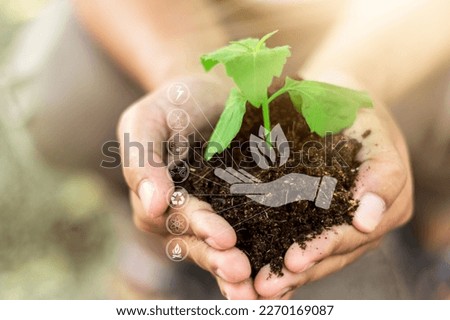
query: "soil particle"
366, 133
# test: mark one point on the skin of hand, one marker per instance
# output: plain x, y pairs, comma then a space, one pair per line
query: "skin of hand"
357, 55
384, 189
211, 240
352, 48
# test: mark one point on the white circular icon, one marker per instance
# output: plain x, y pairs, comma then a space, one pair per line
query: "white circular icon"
179, 171
178, 119
178, 198
177, 249
178, 93
177, 223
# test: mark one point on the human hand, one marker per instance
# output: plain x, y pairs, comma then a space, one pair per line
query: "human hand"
384, 188
211, 240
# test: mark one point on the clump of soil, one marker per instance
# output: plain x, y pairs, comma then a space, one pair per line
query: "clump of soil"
264, 233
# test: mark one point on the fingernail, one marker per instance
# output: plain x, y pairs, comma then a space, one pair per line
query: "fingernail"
283, 293
145, 192
370, 212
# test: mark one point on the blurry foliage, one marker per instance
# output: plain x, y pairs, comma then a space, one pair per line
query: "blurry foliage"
55, 231
55, 228
13, 14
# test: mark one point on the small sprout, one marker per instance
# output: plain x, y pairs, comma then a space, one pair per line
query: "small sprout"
252, 66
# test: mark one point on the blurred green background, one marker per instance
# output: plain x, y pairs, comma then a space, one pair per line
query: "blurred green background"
56, 235
13, 14
57, 225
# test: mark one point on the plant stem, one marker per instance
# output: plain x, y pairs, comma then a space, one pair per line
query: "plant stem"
266, 118
276, 94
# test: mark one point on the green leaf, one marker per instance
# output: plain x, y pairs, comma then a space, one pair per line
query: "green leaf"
228, 125
251, 65
253, 73
225, 54
326, 107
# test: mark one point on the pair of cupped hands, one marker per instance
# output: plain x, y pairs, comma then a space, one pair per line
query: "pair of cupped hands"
383, 187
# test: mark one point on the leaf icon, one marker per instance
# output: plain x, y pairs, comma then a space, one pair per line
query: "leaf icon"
280, 143
265, 155
261, 152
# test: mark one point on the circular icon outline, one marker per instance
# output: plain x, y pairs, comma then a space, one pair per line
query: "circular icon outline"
177, 191
168, 226
178, 164
178, 93
170, 255
171, 116
183, 139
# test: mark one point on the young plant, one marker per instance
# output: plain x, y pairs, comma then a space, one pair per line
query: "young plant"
252, 66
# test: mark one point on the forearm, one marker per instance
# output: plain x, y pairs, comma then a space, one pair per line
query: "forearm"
387, 46
153, 40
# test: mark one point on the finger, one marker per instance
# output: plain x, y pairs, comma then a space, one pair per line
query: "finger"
231, 265
239, 175
382, 174
338, 240
226, 176
141, 130
298, 259
284, 296
288, 295
249, 188
270, 286
206, 224
275, 287
345, 238
143, 221
249, 176
237, 291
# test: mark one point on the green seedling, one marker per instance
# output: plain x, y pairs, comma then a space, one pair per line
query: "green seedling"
252, 66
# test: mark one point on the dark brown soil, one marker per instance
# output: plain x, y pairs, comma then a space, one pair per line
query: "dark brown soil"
265, 233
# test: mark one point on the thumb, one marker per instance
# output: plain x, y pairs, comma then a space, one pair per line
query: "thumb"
141, 131
384, 166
